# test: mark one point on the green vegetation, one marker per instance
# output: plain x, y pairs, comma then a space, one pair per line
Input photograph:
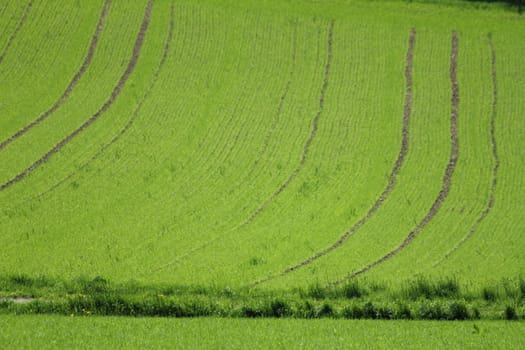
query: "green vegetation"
262, 159
419, 299
51, 332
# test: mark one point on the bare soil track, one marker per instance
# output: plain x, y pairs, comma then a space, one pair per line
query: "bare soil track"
495, 157
393, 175
447, 179
72, 84
17, 29
132, 118
116, 91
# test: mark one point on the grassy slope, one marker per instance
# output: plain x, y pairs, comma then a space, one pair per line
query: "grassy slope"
194, 167
11, 15
40, 63
496, 248
50, 332
91, 92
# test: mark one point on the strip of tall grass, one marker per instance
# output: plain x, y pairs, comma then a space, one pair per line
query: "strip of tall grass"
417, 299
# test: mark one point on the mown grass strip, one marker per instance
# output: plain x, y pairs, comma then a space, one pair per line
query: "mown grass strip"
116, 91
15, 32
57, 332
72, 84
449, 172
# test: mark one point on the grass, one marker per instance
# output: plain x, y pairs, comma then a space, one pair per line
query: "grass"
50, 332
418, 299
270, 130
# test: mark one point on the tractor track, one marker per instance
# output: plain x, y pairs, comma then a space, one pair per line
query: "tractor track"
72, 84
285, 184
447, 179
311, 136
116, 91
130, 121
495, 157
392, 178
17, 29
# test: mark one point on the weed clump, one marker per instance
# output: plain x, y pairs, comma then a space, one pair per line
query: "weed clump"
279, 308
457, 310
521, 284
431, 310
352, 312
316, 291
403, 312
306, 310
352, 290
326, 310
489, 294
427, 289
510, 313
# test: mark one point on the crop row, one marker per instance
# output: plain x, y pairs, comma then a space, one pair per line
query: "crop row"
235, 148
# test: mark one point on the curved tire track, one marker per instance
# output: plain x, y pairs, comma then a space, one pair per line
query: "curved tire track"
72, 84
495, 157
116, 91
311, 136
17, 29
447, 179
393, 175
296, 171
130, 121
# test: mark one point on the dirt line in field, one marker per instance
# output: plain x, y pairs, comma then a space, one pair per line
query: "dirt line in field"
72, 84
116, 91
17, 29
495, 157
131, 119
304, 156
311, 136
447, 179
392, 180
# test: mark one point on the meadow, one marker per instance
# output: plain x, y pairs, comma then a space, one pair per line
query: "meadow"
342, 159
50, 332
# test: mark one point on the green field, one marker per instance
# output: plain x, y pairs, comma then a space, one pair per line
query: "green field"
243, 154
51, 332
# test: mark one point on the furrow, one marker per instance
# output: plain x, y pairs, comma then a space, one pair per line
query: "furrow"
310, 139
130, 121
116, 91
72, 84
393, 175
495, 157
17, 29
285, 184
447, 179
